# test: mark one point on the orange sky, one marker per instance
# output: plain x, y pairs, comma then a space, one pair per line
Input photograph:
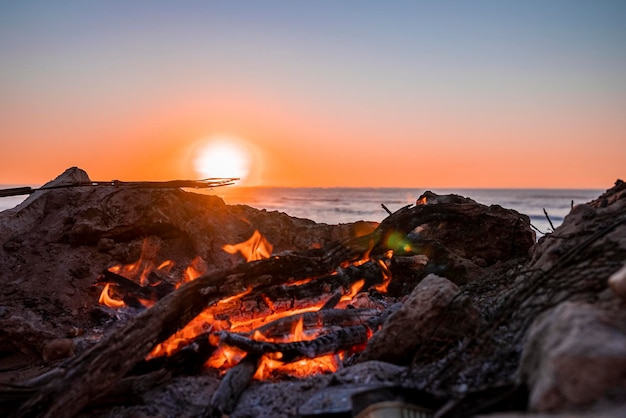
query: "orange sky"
523, 96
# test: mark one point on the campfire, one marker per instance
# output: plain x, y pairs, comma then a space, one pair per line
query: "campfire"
161, 295
295, 328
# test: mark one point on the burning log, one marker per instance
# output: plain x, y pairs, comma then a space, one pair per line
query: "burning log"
331, 343
134, 294
342, 339
188, 360
323, 318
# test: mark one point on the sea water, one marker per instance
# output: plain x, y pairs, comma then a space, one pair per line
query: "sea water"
344, 205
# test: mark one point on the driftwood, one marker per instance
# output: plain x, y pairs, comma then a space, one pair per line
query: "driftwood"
171, 184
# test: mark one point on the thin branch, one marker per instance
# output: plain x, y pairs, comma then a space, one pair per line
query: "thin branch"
548, 218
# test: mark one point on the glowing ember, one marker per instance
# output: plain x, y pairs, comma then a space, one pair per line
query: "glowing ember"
302, 368
255, 248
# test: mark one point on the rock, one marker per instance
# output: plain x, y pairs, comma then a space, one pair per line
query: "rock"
575, 356
604, 216
432, 311
486, 235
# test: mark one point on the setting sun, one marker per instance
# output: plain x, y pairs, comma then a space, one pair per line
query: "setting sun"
222, 156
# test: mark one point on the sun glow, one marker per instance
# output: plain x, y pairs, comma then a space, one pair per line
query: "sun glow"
222, 156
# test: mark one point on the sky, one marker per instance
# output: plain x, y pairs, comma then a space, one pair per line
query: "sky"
458, 94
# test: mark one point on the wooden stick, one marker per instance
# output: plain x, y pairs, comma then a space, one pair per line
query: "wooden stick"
545, 212
319, 319
187, 361
342, 339
232, 386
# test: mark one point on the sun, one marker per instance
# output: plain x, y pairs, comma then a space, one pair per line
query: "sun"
222, 156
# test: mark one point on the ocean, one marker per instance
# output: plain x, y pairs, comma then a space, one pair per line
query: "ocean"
344, 205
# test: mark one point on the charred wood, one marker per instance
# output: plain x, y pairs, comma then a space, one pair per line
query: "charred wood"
331, 343
189, 360
232, 386
97, 370
315, 292
319, 319
333, 301
133, 292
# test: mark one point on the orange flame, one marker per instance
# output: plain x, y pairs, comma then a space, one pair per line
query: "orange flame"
141, 269
382, 288
355, 288
225, 357
204, 322
255, 248
304, 367
384, 267
107, 300
166, 265
196, 269
366, 255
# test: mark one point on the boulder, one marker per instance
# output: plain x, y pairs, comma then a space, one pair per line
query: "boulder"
435, 310
485, 235
575, 356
